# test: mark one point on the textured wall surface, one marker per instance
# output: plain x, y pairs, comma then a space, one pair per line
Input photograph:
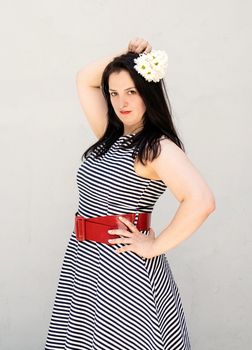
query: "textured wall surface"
43, 134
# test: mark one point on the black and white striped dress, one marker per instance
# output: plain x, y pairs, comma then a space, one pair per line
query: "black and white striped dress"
109, 301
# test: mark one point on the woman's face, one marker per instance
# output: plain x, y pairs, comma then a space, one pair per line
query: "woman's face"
125, 97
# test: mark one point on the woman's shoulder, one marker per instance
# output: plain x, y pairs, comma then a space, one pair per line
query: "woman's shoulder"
165, 141
168, 149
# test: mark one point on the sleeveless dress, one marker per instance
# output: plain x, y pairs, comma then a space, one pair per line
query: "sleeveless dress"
109, 301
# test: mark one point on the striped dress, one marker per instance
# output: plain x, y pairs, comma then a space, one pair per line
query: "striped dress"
109, 301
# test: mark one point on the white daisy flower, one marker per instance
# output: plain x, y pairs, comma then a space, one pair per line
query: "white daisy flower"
152, 66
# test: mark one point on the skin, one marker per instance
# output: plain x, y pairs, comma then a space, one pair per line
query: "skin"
124, 96
176, 171
190, 189
172, 165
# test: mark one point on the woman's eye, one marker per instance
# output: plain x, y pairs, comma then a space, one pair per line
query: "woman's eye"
128, 91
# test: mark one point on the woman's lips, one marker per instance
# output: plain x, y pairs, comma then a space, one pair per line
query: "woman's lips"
125, 112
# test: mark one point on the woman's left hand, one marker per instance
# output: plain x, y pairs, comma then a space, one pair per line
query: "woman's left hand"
137, 242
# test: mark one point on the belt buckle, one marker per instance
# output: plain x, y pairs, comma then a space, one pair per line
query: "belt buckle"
80, 228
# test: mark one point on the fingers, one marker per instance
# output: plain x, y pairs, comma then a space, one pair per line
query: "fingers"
148, 49
126, 237
126, 248
121, 240
138, 45
128, 223
133, 44
120, 232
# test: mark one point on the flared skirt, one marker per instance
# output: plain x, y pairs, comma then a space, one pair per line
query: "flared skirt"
109, 301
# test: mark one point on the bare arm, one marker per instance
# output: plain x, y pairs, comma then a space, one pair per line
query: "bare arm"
188, 217
88, 82
92, 101
191, 190
92, 72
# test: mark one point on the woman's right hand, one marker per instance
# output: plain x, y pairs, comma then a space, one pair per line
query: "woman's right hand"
139, 45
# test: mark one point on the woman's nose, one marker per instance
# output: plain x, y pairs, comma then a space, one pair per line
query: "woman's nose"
123, 102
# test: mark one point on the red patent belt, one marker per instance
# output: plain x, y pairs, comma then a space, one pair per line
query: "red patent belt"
96, 228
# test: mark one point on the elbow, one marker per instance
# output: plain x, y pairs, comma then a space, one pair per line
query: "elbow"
211, 206
205, 202
208, 203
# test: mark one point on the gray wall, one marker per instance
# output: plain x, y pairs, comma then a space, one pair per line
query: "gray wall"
44, 133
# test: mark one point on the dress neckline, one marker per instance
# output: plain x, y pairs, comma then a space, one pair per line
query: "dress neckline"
131, 134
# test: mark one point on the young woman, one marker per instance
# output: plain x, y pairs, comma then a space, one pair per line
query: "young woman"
116, 290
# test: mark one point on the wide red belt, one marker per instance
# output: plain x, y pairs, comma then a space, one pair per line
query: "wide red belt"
96, 228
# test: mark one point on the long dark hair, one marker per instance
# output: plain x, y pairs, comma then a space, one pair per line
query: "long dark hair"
157, 119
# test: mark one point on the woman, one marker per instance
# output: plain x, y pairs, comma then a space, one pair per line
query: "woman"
116, 289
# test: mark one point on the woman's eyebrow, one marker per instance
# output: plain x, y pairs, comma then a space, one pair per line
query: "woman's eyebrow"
133, 87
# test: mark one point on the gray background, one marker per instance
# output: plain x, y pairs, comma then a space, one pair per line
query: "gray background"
44, 133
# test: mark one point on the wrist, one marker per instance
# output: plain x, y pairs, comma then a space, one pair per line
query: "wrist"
157, 250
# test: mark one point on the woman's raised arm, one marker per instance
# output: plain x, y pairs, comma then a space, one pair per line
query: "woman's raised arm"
94, 106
